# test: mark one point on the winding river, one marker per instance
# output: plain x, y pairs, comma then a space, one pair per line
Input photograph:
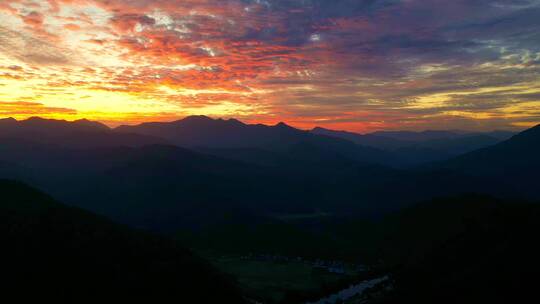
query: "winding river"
350, 292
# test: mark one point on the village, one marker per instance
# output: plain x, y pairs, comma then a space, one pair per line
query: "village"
318, 265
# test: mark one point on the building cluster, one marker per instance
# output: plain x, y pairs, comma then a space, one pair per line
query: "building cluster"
332, 266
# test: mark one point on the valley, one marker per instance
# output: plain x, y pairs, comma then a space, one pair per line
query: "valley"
316, 219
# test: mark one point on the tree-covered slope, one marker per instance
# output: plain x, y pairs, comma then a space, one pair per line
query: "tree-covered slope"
53, 252
468, 249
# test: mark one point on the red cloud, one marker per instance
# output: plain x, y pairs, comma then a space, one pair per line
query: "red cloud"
33, 19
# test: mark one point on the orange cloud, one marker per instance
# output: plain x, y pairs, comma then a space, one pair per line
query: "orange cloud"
358, 65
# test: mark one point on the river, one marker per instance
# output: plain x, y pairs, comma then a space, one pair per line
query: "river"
350, 292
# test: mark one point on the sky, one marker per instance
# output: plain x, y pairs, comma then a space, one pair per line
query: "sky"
358, 65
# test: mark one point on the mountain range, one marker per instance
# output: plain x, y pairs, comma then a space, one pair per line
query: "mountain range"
257, 143
413, 148
223, 187
79, 134
166, 176
220, 136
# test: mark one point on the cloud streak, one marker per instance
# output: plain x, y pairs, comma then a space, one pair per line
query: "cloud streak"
350, 64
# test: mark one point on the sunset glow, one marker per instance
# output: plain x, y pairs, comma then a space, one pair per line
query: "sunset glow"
358, 65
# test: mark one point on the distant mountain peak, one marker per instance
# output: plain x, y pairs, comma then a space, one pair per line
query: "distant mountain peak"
80, 123
91, 123
197, 118
235, 121
42, 119
327, 131
8, 120
37, 118
283, 125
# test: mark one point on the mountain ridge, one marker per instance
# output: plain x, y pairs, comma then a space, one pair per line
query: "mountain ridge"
515, 160
80, 133
204, 132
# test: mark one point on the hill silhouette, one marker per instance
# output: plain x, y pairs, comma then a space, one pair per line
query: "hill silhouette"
166, 187
58, 253
80, 134
467, 249
413, 148
370, 140
514, 161
230, 188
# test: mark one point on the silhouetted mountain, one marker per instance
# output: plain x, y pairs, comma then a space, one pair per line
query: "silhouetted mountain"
47, 127
515, 161
201, 131
418, 136
413, 148
51, 252
441, 149
165, 188
125, 183
369, 140
204, 132
9, 169
77, 134
454, 146
468, 249
253, 156
499, 134
160, 187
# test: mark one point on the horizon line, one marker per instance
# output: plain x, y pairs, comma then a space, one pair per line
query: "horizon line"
112, 127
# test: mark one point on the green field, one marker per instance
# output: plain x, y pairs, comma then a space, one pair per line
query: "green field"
271, 281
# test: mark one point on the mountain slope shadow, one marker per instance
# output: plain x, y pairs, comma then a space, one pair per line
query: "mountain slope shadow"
514, 161
59, 253
467, 249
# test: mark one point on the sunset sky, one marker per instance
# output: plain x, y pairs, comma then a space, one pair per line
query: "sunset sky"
360, 65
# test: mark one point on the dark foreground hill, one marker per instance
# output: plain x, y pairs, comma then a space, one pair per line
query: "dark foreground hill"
53, 252
468, 249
